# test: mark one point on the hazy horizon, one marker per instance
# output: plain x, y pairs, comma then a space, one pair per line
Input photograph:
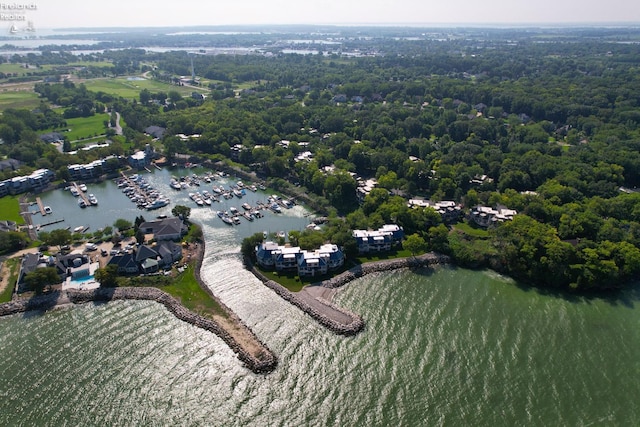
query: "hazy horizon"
76, 14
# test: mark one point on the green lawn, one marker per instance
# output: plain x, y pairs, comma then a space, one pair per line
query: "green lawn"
130, 89
382, 256
185, 288
86, 127
18, 99
472, 231
10, 209
289, 280
13, 264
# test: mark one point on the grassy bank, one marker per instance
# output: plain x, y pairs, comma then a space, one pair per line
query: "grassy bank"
13, 268
10, 209
185, 288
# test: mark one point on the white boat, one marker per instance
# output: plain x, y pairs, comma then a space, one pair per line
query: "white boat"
48, 210
92, 199
82, 187
236, 220
246, 206
82, 203
157, 204
248, 216
175, 184
233, 210
74, 191
226, 220
79, 229
275, 208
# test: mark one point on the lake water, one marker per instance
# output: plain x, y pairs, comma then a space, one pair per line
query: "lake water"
444, 347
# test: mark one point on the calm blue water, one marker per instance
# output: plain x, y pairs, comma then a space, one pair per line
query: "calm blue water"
113, 204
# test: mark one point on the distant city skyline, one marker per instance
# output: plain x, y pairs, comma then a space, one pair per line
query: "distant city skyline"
147, 13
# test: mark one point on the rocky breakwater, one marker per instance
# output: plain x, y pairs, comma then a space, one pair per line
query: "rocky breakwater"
334, 318
263, 362
37, 303
353, 273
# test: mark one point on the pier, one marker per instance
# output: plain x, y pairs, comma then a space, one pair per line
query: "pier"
57, 221
40, 206
81, 194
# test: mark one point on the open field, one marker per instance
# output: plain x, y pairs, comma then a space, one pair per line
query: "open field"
8, 277
19, 69
130, 89
86, 127
187, 290
10, 209
11, 97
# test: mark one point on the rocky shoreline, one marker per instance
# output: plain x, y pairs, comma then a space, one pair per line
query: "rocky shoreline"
324, 311
263, 362
353, 273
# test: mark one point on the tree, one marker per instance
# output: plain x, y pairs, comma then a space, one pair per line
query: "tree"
122, 224
108, 276
39, 278
182, 212
248, 245
58, 237
414, 243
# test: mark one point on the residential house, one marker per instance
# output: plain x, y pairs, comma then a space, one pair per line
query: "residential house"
141, 159
168, 251
7, 225
307, 263
36, 182
486, 216
155, 131
29, 263
10, 165
125, 263
287, 258
311, 264
74, 265
379, 240
165, 229
449, 210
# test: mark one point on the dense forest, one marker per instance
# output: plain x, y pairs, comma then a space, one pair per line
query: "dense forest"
545, 124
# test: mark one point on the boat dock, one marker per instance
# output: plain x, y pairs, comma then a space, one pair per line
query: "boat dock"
40, 206
81, 194
57, 221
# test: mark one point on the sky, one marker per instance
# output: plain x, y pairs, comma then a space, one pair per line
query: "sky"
153, 13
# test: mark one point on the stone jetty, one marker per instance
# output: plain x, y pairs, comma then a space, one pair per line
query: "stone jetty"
262, 362
335, 318
230, 328
353, 273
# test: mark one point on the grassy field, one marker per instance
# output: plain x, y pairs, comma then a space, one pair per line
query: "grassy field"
472, 231
10, 209
130, 89
289, 280
185, 288
13, 266
10, 98
86, 127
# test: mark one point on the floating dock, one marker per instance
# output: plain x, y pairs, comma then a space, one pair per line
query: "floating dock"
40, 206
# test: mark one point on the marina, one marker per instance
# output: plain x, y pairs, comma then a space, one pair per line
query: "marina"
131, 196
